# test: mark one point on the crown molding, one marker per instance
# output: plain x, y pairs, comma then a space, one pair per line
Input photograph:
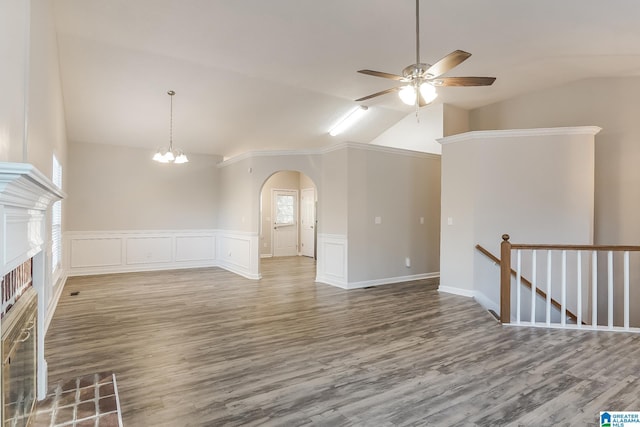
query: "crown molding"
325, 150
513, 133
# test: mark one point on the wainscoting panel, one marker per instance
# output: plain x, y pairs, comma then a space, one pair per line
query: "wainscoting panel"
238, 252
95, 252
332, 260
149, 250
125, 251
195, 248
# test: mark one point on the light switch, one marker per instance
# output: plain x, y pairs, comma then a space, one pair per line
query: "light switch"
421, 220
378, 220
450, 220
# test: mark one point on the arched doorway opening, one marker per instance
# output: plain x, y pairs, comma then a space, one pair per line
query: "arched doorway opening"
288, 216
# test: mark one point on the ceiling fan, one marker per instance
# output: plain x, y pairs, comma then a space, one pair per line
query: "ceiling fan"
422, 79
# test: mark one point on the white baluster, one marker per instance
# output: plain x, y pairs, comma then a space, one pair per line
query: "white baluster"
518, 283
594, 289
534, 275
579, 290
626, 290
563, 298
548, 301
610, 289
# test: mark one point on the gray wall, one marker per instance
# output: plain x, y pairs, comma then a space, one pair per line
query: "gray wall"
612, 104
399, 189
354, 184
118, 188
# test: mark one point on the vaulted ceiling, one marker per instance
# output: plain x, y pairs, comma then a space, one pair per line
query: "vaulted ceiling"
276, 74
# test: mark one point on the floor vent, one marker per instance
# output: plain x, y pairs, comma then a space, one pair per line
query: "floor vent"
75, 293
494, 314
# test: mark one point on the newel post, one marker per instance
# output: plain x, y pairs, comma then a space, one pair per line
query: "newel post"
505, 280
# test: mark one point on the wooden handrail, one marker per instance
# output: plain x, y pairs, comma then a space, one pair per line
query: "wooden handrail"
576, 247
526, 282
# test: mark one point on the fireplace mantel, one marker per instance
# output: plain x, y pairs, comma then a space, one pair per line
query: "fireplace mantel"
25, 196
24, 186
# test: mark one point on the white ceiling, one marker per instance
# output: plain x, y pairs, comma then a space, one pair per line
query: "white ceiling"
276, 74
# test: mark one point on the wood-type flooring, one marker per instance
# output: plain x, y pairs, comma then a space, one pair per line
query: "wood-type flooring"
205, 347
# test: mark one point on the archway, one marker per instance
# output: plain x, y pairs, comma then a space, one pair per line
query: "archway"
288, 216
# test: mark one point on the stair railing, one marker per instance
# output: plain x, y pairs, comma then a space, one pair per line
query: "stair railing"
591, 252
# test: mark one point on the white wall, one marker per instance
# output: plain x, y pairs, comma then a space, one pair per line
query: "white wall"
535, 185
416, 133
14, 75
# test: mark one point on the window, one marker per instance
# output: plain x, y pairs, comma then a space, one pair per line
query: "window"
56, 220
285, 209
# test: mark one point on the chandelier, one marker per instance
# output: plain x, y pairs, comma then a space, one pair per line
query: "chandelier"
170, 155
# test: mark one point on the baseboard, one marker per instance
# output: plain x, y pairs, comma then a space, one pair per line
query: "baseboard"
486, 302
239, 271
94, 271
391, 280
59, 288
456, 291
333, 282
480, 298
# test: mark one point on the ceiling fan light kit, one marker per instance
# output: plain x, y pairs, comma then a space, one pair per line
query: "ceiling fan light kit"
422, 79
170, 155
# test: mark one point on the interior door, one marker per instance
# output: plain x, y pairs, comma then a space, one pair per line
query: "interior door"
307, 222
285, 222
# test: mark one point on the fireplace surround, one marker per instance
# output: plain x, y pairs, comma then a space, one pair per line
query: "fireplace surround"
29, 294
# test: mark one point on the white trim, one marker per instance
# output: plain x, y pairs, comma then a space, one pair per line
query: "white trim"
485, 302
456, 291
332, 265
22, 185
391, 280
480, 298
513, 133
104, 252
55, 298
325, 150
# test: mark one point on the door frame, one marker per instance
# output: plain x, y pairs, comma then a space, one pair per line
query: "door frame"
296, 218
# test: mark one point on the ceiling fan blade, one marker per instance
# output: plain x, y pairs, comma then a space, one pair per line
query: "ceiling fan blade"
447, 63
384, 92
383, 75
463, 81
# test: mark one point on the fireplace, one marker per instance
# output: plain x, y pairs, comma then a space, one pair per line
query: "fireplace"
19, 357
26, 288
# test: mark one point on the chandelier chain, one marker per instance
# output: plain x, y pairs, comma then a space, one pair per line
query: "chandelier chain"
171, 93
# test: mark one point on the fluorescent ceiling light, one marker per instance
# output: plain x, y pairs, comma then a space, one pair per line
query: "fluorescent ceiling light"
349, 120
